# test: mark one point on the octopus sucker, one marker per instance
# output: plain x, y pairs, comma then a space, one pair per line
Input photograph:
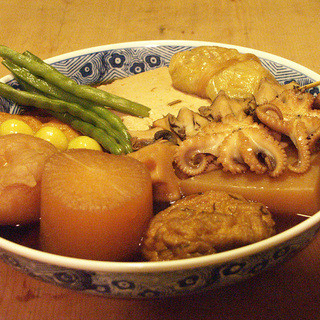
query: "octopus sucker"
188, 158
230, 157
271, 152
250, 155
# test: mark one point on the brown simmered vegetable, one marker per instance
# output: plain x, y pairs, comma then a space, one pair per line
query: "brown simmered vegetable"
206, 70
204, 224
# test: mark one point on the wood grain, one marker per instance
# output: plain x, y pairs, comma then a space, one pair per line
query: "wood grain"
286, 28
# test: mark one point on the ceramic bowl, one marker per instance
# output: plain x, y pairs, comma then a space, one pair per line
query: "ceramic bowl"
156, 279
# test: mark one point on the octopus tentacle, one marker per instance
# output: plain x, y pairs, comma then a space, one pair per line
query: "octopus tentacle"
191, 155
292, 113
267, 108
229, 156
299, 137
235, 146
249, 155
260, 142
270, 115
312, 124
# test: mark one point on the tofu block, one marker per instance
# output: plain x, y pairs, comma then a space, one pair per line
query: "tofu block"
288, 194
153, 89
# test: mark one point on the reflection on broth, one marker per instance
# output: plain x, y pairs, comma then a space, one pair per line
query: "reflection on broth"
26, 235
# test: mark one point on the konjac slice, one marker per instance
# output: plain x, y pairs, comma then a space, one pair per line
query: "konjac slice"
94, 205
289, 194
22, 158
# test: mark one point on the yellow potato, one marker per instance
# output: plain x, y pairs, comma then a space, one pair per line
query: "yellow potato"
53, 135
84, 142
15, 126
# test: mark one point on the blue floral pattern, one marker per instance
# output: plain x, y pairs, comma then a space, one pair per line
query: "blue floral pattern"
117, 60
137, 67
169, 283
153, 61
86, 70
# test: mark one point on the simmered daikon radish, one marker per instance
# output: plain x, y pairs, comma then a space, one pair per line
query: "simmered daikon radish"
94, 205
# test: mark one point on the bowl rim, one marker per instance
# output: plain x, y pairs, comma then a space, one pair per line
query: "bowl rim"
164, 266
187, 43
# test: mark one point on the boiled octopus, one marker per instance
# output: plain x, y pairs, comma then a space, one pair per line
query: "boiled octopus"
292, 113
234, 144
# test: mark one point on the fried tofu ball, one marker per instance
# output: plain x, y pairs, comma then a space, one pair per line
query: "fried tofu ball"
204, 224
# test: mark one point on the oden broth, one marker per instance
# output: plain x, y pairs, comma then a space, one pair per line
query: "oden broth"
28, 235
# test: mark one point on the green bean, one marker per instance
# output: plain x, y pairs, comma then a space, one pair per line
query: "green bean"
115, 121
103, 112
54, 77
27, 87
37, 59
55, 92
33, 57
85, 128
90, 130
41, 85
31, 99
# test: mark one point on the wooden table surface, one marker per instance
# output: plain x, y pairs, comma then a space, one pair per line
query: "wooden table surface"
286, 28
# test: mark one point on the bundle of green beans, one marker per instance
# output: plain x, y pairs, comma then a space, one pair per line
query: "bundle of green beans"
83, 107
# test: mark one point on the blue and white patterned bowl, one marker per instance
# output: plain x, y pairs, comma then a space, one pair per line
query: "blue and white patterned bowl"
156, 279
